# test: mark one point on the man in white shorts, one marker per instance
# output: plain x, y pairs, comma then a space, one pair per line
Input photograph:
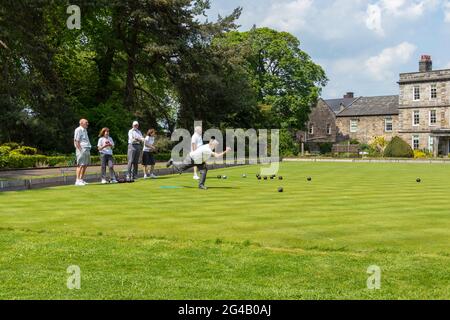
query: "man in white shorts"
198, 158
83, 151
196, 142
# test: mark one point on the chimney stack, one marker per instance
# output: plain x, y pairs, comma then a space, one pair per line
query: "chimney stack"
425, 64
349, 95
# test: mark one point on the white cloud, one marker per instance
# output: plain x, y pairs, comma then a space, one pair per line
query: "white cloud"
288, 16
381, 66
373, 19
396, 9
447, 11
408, 8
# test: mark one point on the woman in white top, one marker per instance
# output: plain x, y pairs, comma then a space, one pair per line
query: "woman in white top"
105, 146
147, 156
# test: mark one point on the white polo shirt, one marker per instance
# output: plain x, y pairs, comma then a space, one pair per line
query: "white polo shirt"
196, 140
81, 135
202, 154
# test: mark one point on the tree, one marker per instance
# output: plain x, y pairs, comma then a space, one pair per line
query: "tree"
288, 82
122, 65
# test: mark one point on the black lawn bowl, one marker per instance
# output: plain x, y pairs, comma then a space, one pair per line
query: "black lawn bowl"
219, 177
418, 180
265, 178
309, 179
259, 178
271, 178
280, 189
280, 178
225, 177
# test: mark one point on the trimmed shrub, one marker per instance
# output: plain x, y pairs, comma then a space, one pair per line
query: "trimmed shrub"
23, 161
3, 162
12, 145
162, 156
120, 159
26, 151
20, 161
398, 148
325, 147
60, 161
378, 144
5, 150
422, 154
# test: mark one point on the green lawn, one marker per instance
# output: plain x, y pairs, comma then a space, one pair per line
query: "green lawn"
241, 239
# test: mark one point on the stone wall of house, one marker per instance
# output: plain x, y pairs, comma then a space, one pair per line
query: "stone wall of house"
441, 104
406, 97
368, 127
406, 119
424, 143
321, 116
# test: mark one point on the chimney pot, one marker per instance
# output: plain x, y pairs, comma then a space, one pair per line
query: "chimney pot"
349, 95
425, 63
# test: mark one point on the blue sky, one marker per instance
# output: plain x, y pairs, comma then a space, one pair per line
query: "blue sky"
362, 44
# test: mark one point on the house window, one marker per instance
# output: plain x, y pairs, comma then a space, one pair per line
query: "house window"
311, 129
416, 118
433, 92
388, 125
431, 144
329, 129
353, 126
416, 93
433, 117
416, 142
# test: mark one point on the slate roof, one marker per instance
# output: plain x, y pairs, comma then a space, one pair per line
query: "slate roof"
335, 104
372, 106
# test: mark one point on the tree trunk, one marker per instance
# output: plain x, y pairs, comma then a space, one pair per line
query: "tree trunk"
131, 71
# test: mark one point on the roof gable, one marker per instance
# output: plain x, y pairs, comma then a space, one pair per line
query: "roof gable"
335, 104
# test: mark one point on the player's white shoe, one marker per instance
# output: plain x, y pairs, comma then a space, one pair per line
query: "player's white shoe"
79, 183
196, 177
104, 181
152, 176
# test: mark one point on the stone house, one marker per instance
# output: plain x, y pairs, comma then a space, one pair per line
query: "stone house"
420, 114
321, 127
368, 117
424, 106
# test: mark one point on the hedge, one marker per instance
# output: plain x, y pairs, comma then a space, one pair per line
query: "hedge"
18, 161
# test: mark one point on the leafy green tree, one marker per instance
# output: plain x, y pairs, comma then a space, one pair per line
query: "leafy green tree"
288, 82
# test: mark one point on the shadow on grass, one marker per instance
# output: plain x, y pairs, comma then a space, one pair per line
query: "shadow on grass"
211, 188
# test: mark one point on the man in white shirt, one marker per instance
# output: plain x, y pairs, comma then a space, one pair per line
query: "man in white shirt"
198, 158
135, 139
83, 151
196, 142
